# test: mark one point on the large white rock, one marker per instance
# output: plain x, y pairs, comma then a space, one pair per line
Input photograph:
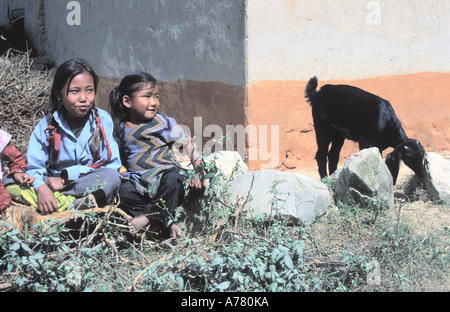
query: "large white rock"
229, 163
437, 177
296, 197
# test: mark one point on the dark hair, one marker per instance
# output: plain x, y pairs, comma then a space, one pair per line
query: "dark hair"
130, 84
65, 73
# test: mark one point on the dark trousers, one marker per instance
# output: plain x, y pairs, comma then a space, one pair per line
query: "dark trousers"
161, 208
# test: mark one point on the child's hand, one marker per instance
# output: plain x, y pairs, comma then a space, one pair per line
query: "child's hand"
54, 183
197, 186
22, 178
46, 200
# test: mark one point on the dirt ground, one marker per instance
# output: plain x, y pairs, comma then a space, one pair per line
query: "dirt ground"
410, 197
416, 204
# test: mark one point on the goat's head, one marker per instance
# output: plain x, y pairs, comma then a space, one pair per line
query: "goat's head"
412, 153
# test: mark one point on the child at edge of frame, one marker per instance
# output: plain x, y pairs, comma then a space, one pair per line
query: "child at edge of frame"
17, 168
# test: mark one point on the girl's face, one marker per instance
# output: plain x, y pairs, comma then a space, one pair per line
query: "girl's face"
78, 98
144, 104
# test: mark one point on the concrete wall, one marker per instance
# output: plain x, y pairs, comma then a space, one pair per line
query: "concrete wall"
351, 39
399, 50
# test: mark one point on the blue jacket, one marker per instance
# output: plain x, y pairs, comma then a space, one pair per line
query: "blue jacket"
75, 156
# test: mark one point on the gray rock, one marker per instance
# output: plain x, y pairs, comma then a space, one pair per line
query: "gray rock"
230, 163
365, 179
295, 197
437, 177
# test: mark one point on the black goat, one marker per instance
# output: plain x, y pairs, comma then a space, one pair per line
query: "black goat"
345, 112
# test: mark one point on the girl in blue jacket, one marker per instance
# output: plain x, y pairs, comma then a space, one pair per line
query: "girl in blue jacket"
72, 150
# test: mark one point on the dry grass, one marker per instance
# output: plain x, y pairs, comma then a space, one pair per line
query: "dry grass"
410, 241
24, 93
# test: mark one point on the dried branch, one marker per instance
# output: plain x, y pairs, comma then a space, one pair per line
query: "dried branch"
24, 93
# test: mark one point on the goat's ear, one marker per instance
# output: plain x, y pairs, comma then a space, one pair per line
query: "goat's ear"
393, 164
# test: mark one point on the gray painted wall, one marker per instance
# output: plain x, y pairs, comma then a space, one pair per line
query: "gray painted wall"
199, 40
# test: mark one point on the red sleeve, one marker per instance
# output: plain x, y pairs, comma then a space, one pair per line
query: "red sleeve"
15, 158
5, 198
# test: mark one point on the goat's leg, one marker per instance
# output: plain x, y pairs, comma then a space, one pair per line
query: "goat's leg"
333, 155
321, 156
363, 144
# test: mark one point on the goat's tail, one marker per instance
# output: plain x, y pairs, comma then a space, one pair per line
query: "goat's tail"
310, 90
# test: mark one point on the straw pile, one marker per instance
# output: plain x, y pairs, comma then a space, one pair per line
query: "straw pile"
24, 93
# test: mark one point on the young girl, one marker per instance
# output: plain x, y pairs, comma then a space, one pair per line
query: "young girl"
17, 167
72, 150
152, 187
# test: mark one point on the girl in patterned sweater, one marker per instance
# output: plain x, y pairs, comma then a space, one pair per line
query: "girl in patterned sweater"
152, 188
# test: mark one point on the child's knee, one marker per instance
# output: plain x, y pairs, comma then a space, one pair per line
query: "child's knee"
173, 177
109, 177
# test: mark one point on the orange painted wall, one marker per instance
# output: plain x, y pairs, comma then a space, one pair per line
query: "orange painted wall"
421, 101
